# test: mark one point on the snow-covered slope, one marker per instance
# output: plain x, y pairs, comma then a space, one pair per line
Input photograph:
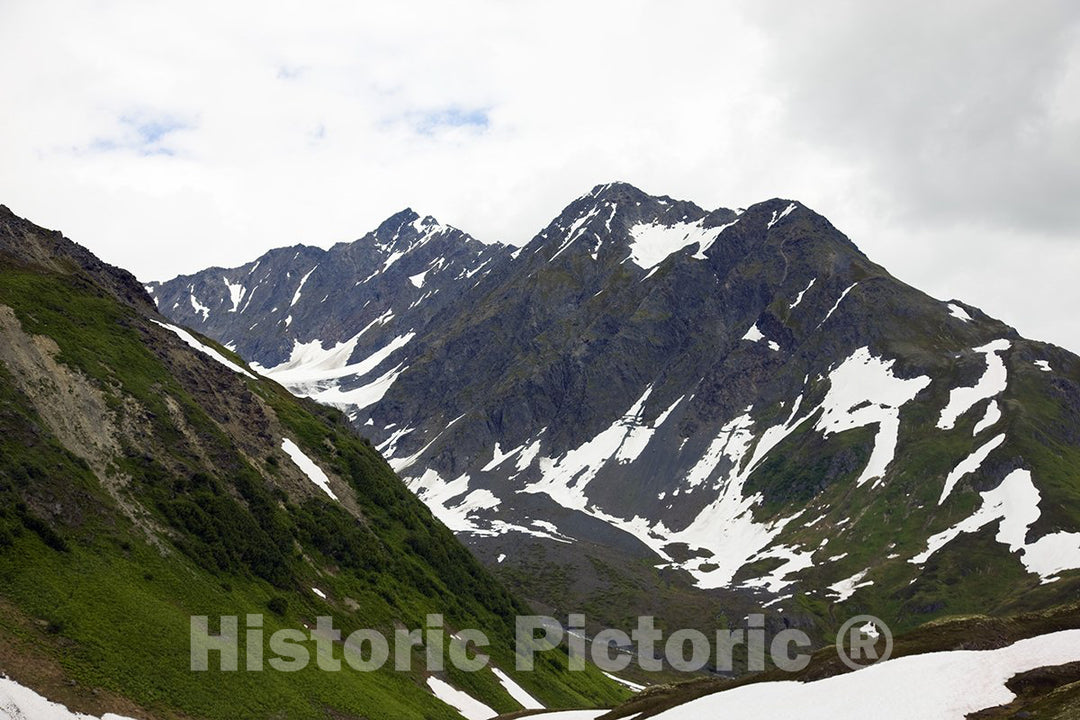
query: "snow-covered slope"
22, 703
934, 686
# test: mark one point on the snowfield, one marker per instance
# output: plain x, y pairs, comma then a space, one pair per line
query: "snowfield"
21, 703
935, 686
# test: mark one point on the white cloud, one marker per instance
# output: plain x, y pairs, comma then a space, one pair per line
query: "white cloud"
169, 140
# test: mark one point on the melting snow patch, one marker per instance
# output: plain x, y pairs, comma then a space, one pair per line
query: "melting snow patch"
308, 466
632, 685
1014, 504
199, 307
837, 304
753, 334
498, 456
452, 502
993, 414
210, 352
934, 686
992, 382
389, 446
303, 280
576, 230
662, 417
863, 391
969, 465
469, 707
804, 291
517, 692
795, 561
319, 592
564, 479
381, 320
18, 702
847, 587
361, 397
651, 244
418, 279
778, 217
309, 366
236, 293
700, 254
958, 312
1043, 365
726, 528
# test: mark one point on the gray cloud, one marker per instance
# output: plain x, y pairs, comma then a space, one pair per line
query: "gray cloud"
955, 111
942, 137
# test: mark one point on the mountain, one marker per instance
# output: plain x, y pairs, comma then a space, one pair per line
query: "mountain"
148, 477
351, 296
651, 408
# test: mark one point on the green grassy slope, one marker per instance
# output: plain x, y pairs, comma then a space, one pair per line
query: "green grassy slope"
193, 511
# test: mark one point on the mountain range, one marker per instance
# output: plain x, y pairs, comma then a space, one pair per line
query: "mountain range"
651, 408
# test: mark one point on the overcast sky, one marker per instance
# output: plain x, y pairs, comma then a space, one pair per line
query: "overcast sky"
942, 137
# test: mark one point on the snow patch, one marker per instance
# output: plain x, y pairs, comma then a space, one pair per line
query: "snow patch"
361, 397
236, 293
753, 334
777, 217
934, 686
517, 692
18, 702
837, 304
799, 299
958, 312
993, 382
498, 456
632, 685
650, 244
308, 467
469, 707
198, 306
864, 391
969, 465
210, 352
564, 479
309, 365
847, 587
303, 281
795, 561
1014, 505
993, 414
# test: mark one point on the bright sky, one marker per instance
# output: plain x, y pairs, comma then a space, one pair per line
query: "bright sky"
943, 138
